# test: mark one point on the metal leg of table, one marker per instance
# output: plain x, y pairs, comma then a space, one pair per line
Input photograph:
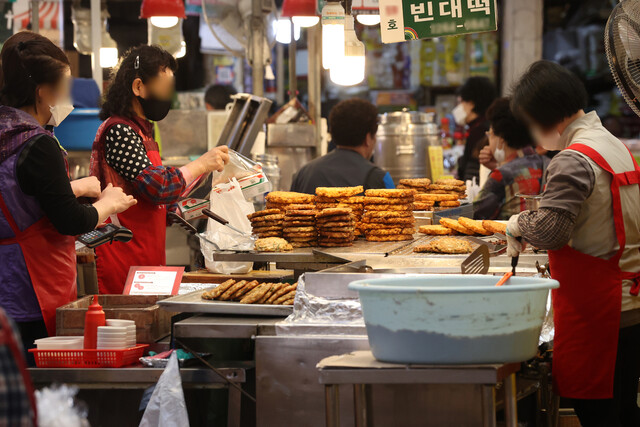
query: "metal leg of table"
489, 406
233, 411
362, 405
332, 405
510, 401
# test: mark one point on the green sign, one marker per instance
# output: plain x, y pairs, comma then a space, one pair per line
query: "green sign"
402, 20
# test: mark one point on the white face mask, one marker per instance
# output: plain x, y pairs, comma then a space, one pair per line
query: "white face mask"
459, 115
499, 154
59, 112
549, 141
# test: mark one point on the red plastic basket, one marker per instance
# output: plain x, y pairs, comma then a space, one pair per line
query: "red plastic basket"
88, 358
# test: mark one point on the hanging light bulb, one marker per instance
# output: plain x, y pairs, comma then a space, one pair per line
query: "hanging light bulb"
333, 21
108, 51
350, 70
183, 50
303, 13
162, 13
368, 19
282, 29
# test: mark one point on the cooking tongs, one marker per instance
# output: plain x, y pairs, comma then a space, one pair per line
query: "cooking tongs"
226, 223
177, 219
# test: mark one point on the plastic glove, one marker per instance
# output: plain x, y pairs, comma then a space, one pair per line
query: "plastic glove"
514, 246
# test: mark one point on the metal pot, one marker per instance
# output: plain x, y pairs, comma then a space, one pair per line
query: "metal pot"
402, 144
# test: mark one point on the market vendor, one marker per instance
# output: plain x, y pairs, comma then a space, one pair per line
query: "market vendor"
218, 96
353, 126
39, 208
474, 97
126, 154
588, 220
515, 166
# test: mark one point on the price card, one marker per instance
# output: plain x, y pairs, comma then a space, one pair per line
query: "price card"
153, 280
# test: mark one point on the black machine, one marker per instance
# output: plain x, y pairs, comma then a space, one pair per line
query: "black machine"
105, 234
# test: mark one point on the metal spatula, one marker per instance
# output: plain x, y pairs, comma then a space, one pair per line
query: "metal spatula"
477, 262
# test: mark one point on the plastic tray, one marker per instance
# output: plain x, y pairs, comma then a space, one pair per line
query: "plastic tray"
88, 358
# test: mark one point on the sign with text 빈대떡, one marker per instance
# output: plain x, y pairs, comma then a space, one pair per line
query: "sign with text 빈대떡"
402, 20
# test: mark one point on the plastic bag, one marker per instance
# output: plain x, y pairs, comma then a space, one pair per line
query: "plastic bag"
57, 407
248, 173
167, 407
228, 201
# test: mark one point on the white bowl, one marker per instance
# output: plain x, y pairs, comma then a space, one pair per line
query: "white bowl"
112, 329
120, 322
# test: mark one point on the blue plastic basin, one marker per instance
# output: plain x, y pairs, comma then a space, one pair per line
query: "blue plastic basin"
453, 319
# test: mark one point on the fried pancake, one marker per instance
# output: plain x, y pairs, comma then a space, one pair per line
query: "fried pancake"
422, 206
387, 200
269, 234
289, 197
436, 197
390, 221
415, 182
329, 225
445, 245
255, 294
309, 244
245, 289
289, 295
272, 244
408, 207
494, 226
333, 212
388, 214
435, 230
339, 191
321, 199
391, 193
267, 229
218, 290
335, 244
335, 235
272, 289
296, 223
455, 225
381, 226
289, 302
300, 213
389, 238
232, 290
294, 230
280, 292
297, 207
338, 229
473, 225
454, 182
263, 213
390, 231
459, 189
448, 204
353, 200
274, 217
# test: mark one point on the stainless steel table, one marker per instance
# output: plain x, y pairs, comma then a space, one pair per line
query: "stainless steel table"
138, 377
337, 370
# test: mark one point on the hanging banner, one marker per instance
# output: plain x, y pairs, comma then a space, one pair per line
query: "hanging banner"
402, 20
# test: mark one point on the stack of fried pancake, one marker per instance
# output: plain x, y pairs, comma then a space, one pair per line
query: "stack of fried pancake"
282, 199
299, 226
335, 227
266, 223
421, 185
453, 188
388, 215
342, 197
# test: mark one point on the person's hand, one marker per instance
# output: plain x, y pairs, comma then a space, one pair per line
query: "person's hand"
116, 199
515, 245
486, 158
215, 159
86, 187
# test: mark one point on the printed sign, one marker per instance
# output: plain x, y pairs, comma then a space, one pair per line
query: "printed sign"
402, 20
153, 281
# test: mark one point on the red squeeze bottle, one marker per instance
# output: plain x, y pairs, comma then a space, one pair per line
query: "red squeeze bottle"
93, 319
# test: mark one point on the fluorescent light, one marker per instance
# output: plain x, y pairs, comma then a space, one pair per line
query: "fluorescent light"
350, 70
164, 21
333, 21
108, 57
282, 28
368, 19
306, 21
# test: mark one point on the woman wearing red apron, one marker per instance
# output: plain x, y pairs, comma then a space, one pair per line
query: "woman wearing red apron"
588, 220
126, 155
39, 209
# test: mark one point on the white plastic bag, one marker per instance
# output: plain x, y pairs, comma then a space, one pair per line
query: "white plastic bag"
167, 407
227, 200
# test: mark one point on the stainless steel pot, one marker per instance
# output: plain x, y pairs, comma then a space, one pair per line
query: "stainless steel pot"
402, 144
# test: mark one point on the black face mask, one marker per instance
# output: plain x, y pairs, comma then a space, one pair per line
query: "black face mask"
154, 109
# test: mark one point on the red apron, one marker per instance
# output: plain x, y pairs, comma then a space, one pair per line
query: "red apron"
50, 258
146, 220
587, 304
